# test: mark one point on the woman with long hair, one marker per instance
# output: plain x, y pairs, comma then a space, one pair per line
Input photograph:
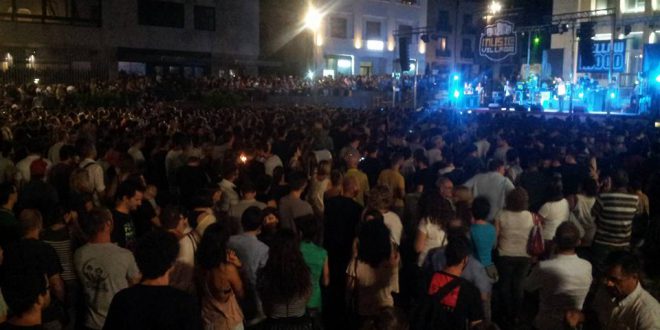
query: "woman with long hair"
319, 184
218, 280
513, 225
431, 229
555, 210
285, 284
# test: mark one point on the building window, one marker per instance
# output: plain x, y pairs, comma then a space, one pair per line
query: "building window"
204, 18
634, 6
338, 27
443, 21
603, 4
161, 13
86, 12
467, 45
373, 30
442, 44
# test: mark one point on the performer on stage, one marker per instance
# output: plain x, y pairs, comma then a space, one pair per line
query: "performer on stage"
560, 85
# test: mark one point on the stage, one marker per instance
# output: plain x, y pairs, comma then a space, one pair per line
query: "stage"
554, 113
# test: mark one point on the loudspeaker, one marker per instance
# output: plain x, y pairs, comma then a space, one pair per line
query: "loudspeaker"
586, 45
404, 54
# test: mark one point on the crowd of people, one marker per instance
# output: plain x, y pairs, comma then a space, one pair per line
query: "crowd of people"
162, 215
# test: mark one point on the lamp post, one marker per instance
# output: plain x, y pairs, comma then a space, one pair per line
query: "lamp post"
312, 22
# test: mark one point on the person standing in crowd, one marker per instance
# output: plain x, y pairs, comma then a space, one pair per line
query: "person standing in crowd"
95, 173
182, 275
228, 186
292, 205
219, 281
23, 173
285, 284
248, 199
464, 301
563, 281
102, 267
9, 230
370, 274
555, 210
431, 229
581, 214
37, 193
371, 165
316, 259
614, 212
60, 174
484, 236
27, 295
31, 252
513, 225
153, 303
253, 254
320, 183
381, 199
352, 171
128, 199
391, 177
492, 185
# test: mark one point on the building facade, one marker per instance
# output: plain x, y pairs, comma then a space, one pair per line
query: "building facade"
636, 22
361, 37
136, 36
455, 26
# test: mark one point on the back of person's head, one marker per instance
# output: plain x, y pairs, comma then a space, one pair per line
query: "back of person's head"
324, 167
495, 165
458, 248
555, 190
285, 276
6, 190
396, 158
309, 227
94, 221
374, 243
156, 253
372, 214
590, 187
67, 152
212, 250
29, 220
229, 170
248, 188
512, 156
297, 181
22, 288
517, 200
620, 179
388, 318
128, 189
336, 177
85, 148
480, 208
171, 217
251, 219
380, 197
629, 263
567, 236
278, 174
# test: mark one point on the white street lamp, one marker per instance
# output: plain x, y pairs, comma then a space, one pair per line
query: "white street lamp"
313, 19
495, 7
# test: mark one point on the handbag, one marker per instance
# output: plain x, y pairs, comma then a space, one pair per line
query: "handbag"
535, 243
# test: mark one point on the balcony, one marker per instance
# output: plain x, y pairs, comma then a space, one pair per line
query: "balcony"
442, 53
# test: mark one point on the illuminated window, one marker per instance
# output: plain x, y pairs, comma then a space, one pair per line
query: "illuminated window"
633, 6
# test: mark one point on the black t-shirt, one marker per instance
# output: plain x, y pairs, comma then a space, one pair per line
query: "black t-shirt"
33, 254
8, 326
153, 307
464, 302
123, 232
342, 215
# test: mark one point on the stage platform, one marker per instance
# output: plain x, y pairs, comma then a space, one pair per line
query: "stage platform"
555, 112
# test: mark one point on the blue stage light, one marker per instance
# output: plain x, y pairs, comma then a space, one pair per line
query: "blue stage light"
457, 94
581, 95
612, 95
657, 79
456, 77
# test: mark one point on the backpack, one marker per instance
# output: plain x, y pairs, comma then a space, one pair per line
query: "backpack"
430, 314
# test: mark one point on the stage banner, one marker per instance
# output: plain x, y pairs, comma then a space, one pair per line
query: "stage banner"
498, 41
601, 50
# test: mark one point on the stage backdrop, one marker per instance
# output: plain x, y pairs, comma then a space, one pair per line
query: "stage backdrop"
601, 52
651, 58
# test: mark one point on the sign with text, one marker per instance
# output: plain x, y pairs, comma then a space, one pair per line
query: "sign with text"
498, 41
602, 54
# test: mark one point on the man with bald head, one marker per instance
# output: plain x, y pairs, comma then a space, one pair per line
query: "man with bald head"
342, 214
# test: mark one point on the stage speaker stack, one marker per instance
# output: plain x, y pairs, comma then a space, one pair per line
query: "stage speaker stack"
404, 54
586, 45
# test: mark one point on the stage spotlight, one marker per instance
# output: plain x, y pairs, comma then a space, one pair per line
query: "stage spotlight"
657, 78
457, 94
581, 95
612, 95
456, 77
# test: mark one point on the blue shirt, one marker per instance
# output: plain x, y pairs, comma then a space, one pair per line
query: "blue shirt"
483, 242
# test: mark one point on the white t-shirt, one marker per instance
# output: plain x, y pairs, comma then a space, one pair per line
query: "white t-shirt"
514, 233
554, 214
393, 222
435, 237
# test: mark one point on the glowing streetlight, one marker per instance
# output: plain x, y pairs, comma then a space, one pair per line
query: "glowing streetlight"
495, 7
313, 19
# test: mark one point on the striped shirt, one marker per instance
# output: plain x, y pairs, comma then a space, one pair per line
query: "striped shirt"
614, 213
61, 242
